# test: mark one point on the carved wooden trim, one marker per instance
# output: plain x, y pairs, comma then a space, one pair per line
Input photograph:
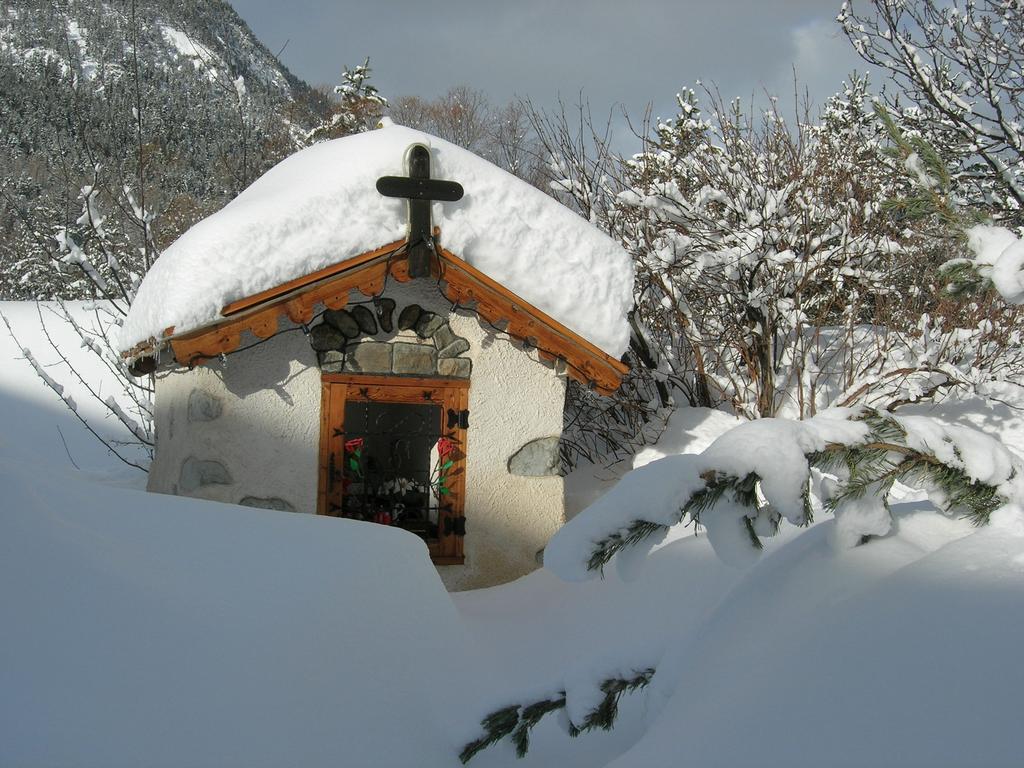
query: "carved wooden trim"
384, 380
313, 277
365, 273
585, 362
464, 284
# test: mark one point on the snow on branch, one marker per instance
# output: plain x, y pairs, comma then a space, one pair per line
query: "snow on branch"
113, 446
958, 64
997, 261
758, 473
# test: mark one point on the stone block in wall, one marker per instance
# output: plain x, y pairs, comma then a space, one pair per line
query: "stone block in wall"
409, 316
197, 473
454, 349
271, 502
331, 361
202, 406
414, 359
343, 321
325, 336
444, 336
386, 314
459, 367
428, 324
364, 317
368, 357
538, 458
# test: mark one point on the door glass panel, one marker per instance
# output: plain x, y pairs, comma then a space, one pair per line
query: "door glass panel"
391, 463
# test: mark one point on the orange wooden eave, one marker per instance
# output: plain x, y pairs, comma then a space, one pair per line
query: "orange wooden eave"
463, 284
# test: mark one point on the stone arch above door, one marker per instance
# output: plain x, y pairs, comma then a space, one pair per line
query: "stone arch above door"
374, 338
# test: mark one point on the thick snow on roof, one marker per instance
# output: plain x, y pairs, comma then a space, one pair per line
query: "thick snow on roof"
320, 206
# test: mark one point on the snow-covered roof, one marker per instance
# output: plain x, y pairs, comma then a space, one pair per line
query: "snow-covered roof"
320, 207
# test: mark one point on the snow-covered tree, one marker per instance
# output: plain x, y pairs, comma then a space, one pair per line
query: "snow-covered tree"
957, 73
357, 106
773, 275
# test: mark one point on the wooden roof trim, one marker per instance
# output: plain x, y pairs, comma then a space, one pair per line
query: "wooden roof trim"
297, 299
260, 313
586, 362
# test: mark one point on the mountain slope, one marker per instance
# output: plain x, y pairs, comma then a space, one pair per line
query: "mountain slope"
207, 37
178, 94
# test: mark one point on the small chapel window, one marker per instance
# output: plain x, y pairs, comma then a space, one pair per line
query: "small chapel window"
394, 452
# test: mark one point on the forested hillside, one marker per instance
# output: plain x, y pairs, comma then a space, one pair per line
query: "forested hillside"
163, 110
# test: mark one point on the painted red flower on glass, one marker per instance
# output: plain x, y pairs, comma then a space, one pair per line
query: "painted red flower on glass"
445, 446
353, 445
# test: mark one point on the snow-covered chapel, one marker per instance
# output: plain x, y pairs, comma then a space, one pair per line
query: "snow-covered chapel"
380, 328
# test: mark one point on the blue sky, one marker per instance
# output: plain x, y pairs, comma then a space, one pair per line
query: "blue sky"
621, 54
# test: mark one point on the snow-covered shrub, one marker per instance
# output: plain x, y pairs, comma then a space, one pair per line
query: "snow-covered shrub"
773, 276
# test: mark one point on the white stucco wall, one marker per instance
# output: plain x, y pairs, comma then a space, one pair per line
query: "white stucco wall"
267, 435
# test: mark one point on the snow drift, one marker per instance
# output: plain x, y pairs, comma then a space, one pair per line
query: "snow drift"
153, 630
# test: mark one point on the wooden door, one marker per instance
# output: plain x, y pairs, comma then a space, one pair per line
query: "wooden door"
451, 396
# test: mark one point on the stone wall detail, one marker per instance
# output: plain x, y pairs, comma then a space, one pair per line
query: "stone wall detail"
538, 458
271, 502
202, 406
197, 473
361, 340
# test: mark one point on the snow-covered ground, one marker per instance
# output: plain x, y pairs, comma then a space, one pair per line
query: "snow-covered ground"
149, 630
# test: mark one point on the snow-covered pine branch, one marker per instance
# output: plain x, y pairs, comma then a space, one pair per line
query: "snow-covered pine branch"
515, 721
759, 473
996, 254
739, 489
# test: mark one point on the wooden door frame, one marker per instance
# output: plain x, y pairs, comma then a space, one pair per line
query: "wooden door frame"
450, 394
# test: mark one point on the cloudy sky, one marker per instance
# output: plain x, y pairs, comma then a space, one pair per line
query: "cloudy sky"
620, 53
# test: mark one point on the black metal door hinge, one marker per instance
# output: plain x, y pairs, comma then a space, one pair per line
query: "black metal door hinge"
458, 419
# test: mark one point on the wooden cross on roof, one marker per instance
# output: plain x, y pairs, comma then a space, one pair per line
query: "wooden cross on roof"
421, 191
